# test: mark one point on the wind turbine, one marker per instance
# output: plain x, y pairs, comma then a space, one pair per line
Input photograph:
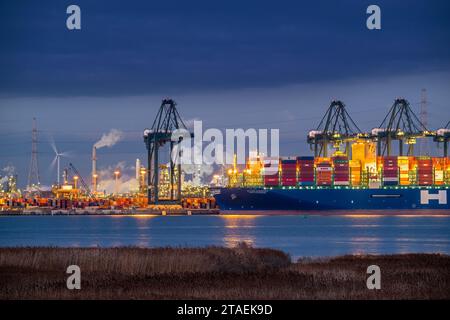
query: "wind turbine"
56, 160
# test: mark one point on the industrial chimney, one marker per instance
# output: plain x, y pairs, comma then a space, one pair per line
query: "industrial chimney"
94, 169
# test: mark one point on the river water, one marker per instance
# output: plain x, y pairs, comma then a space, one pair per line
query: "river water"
297, 235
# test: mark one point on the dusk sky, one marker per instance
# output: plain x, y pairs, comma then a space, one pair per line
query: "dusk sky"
232, 64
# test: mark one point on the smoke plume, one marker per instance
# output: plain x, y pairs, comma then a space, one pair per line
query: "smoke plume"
109, 139
126, 183
7, 172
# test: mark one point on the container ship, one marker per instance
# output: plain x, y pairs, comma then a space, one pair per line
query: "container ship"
364, 176
362, 182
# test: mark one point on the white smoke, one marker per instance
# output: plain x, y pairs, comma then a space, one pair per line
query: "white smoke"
3, 180
109, 139
9, 170
127, 181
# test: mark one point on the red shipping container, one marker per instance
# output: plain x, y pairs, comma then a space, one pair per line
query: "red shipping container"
390, 164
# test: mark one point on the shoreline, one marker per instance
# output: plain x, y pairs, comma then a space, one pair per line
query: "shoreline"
215, 212
216, 273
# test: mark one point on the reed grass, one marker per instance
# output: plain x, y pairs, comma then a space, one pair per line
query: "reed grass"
215, 273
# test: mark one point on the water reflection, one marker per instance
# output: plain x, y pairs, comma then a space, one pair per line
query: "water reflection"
365, 244
362, 216
233, 235
297, 235
143, 226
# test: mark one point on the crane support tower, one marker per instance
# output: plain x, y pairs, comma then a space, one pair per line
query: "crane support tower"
166, 122
400, 124
443, 135
335, 128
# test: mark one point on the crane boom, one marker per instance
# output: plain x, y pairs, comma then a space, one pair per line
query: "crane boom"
83, 183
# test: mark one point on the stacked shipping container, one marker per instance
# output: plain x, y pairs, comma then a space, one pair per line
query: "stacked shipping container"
447, 171
341, 171
288, 171
355, 172
324, 172
306, 171
439, 165
403, 165
390, 170
271, 171
424, 171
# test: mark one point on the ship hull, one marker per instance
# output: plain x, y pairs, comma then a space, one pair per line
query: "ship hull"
326, 199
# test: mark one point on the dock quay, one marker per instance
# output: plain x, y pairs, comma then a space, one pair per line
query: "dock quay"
100, 212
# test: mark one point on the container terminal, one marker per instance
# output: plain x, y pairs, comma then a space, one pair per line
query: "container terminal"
348, 170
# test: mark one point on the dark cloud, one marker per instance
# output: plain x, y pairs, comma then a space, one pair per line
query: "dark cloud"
142, 47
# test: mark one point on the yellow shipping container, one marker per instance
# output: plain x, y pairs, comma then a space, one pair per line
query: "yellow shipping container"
439, 177
322, 159
354, 163
405, 164
355, 172
370, 167
364, 151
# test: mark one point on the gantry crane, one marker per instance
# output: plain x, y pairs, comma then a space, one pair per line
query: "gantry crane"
400, 124
166, 122
83, 183
335, 128
443, 135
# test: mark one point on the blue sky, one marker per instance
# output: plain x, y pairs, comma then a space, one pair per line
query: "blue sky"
267, 64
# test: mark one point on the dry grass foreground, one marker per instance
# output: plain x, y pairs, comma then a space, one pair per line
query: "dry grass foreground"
215, 273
